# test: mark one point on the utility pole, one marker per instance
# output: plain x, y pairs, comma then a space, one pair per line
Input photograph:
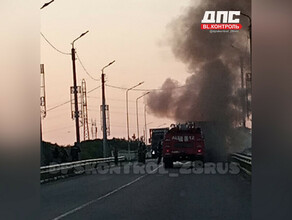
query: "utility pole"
250, 36
242, 96
75, 89
248, 88
248, 75
84, 111
145, 124
138, 114
43, 108
103, 110
93, 129
75, 96
103, 117
127, 109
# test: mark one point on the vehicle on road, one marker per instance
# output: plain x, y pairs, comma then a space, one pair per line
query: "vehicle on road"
183, 142
156, 136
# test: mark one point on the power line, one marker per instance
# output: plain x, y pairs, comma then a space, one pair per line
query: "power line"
116, 87
79, 60
93, 97
64, 103
144, 90
119, 100
114, 112
94, 89
54, 46
57, 106
57, 129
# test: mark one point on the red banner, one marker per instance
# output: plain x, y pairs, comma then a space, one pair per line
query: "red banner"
221, 26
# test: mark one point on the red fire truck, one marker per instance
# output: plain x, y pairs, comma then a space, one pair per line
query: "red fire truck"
183, 142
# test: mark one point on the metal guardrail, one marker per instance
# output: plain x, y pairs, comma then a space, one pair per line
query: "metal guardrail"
244, 162
132, 156
72, 168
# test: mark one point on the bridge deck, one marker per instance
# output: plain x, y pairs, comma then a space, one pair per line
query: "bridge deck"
148, 196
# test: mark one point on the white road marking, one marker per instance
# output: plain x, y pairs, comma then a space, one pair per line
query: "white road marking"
102, 197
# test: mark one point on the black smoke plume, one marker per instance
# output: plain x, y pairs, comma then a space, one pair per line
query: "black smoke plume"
212, 93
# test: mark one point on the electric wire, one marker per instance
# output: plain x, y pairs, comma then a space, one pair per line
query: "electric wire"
144, 90
85, 70
64, 103
53, 45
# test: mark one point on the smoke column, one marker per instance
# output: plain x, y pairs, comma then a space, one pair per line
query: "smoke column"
212, 92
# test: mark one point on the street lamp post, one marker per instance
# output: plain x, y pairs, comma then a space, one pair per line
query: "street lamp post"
41, 130
145, 124
75, 89
137, 112
46, 4
250, 50
250, 36
243, 98
127, 109
103, 110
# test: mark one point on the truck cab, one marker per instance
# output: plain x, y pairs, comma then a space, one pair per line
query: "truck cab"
157, 135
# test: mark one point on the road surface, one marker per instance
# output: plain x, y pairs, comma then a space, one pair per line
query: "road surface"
149, 193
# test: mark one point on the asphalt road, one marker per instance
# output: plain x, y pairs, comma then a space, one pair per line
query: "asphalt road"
151, 193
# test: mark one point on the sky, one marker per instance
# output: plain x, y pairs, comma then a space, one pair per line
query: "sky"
134, 33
